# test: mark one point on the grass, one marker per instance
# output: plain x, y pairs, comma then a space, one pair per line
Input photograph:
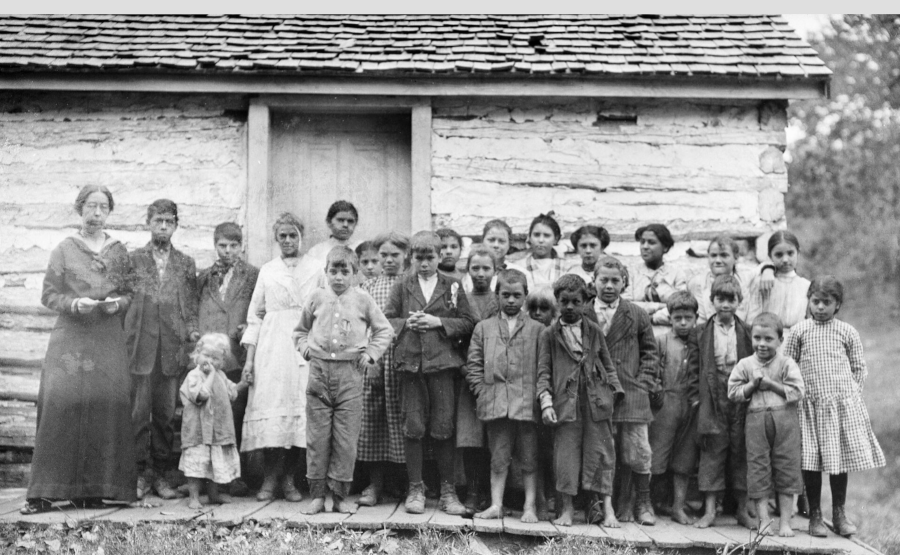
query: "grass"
276, 539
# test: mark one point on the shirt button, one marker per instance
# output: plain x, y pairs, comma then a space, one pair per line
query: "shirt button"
333, 355
336, 314
334, 340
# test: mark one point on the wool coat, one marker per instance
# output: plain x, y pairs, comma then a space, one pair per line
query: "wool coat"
436, 349
632, 347
705, 384
560, 371
502, 368
224, 315
163, 313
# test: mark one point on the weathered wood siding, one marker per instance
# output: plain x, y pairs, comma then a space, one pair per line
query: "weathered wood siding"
701, 168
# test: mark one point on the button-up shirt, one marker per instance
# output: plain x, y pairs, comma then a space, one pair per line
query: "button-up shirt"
511, 321
605, 313
572, 335
428, 286
161, 259
340, 327
725, 346
779, 369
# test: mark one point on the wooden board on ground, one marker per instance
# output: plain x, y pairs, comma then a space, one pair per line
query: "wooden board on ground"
276, 510
11, 500
703, 537
631, 534
66, 515
405, 521
512, 525
442, 521
172, 510
232, 514
736, 534
665, 534
580, 527
372, 518
488, 525
325, 519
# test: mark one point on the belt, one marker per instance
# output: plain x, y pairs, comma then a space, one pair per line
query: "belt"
768, 409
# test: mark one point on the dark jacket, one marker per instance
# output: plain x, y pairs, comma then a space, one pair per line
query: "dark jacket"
559, 370
704, 385
224, 316
502, 368
163, 314
437, 349
633, 349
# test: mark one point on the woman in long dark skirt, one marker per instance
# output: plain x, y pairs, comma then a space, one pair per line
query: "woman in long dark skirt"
84, 448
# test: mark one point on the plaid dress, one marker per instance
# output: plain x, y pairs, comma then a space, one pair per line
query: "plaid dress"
834, 421
381, 436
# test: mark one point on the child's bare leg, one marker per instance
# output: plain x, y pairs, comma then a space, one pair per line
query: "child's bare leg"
567, 512
215, 496
786, 502
609, 514
528, 511
498, 486
709, 508
194, 489
762, 512
742, 516
540, 499
679, 494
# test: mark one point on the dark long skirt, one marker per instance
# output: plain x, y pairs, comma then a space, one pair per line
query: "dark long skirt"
85, 442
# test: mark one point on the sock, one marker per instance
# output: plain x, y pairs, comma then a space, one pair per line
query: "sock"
813, 482
445, 451
838, 489
414, 460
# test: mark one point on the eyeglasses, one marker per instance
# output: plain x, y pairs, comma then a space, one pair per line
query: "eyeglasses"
92, 206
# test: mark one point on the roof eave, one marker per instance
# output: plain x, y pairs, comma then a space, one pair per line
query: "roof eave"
424, 84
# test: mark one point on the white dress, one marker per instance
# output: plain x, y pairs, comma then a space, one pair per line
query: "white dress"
276, 407
787, 299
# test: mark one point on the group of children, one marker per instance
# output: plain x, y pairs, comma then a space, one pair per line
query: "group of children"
623, 378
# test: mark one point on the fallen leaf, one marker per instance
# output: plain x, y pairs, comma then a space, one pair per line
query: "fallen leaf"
100, 551
24, 543
336, 545
53, 545
89, 536
389, 545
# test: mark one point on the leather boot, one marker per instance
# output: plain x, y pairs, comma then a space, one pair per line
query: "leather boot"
290, 491
842, 524
816, 524
415, 498
449, 502
643, 511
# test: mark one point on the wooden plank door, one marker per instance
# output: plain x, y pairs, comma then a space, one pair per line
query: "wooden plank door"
316, 159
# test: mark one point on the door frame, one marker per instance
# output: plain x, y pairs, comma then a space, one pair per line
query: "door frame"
257, 218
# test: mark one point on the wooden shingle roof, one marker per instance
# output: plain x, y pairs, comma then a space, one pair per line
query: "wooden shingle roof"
757, 46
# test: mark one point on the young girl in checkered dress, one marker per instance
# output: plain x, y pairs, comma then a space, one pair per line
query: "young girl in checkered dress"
834, 421
381, 437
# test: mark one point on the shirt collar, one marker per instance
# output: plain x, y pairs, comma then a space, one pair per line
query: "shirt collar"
505, 316
726, 327
432, 279
600, 304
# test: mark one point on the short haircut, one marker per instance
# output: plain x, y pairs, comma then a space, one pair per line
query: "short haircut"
726, 286
541, 297
424, 242
399, 240
445, 232
547, 220
87, 191
826, 285
287, 218
726, 242
662, 233
498, 224
783, 236
482, 251
162, 206
769, 320
341, 257
682, 300
365, 247
218, 341
599, 232
509, 277
612, 262
228, 230
341, 206
571, 283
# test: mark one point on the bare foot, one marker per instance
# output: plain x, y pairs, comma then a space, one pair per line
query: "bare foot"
627, 517
610, 521
529, 517
316, 506
344, 506
220, 498
565, 519
543, 514
706, 521
744, 520
785, 530
682, 517
195, 504
491, 512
